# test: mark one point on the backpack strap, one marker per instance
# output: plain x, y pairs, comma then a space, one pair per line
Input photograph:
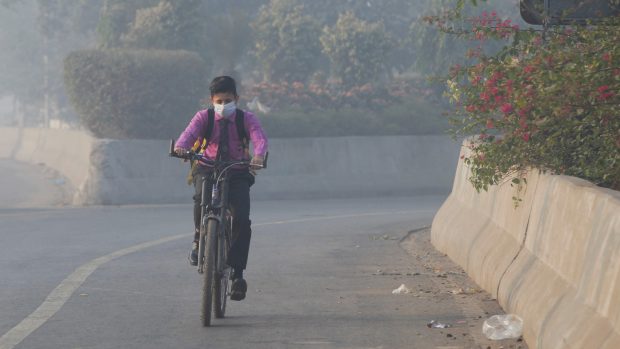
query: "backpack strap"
241, 132
209, 130
210, 122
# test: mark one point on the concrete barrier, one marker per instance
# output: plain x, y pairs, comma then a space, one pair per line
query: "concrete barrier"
139, 171
554, 260
65, 151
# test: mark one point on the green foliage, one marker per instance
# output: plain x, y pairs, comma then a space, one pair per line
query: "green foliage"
412, 117
169, 25
551, 104
286, 41
115, 20
135, 93
357, 49
400, 107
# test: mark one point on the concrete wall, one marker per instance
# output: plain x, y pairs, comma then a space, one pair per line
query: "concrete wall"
139, 171
67, 152
554, 260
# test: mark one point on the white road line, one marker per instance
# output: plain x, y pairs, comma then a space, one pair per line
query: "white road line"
61, 294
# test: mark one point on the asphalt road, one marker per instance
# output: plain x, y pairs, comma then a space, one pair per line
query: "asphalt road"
320, 275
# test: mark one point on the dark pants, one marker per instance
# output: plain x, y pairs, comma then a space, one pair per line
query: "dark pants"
239, 200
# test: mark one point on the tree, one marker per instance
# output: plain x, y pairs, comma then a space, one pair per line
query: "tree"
228, 40
356, 49
115, 20
20, 67
35, 36
170, 25
286, 41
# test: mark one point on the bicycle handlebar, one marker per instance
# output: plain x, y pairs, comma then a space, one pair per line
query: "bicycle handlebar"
191, 155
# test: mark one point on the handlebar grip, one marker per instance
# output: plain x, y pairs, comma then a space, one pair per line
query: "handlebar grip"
265, 160
171, 148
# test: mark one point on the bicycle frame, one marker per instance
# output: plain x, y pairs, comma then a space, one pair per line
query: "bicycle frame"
213, 209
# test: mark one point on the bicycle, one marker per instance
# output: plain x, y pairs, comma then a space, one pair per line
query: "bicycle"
215, 234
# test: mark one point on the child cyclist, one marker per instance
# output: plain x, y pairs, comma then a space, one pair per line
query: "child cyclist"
225, 128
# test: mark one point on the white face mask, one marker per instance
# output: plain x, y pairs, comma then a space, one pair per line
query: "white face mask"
225, 110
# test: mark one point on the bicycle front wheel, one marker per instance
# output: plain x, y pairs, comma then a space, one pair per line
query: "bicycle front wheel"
222, 275
208, 271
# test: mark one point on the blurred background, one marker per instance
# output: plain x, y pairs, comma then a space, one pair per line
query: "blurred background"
140, 69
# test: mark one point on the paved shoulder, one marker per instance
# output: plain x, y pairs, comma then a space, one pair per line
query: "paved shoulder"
437, 282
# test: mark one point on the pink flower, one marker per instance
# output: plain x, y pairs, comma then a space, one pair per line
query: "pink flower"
606, 57
526, 136
506, 108
604, 93
490, 123
528, 69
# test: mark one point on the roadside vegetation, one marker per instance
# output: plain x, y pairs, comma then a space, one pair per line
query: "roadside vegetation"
139, 69
347, 68
548, 100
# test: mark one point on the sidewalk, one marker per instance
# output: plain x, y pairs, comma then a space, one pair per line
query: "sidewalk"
436, 283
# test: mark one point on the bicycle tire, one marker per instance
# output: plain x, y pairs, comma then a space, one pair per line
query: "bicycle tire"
221, 285
208, 272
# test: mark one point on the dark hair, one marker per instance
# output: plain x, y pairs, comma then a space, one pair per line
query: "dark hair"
223, 84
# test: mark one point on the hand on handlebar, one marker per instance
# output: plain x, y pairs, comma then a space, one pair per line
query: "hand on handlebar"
180, 151
257, 163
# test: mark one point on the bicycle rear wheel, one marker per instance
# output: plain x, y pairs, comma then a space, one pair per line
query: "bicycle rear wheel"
220, 292
208, 271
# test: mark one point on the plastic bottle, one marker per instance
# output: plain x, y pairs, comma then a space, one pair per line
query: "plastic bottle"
499, 327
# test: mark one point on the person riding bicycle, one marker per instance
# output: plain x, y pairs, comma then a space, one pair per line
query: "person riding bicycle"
225, 129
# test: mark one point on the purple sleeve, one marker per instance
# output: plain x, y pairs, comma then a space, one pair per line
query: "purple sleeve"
257, 134
193, 131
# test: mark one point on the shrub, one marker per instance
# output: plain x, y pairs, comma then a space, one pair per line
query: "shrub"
400, 107
315, 96
414, 117
135, 93
551, 103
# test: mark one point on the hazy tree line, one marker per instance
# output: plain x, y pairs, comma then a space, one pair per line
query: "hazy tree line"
347, 42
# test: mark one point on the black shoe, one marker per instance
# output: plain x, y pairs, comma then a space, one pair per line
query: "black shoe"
238, 289
193, 254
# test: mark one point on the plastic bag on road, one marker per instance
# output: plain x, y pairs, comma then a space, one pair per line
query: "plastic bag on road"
436, 324
499, 327
401, 290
